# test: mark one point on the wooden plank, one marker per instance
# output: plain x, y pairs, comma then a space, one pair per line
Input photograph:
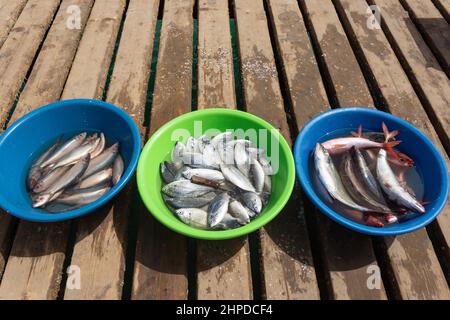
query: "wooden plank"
103, 271
34, 271
434, 28
19, 49
7, 223
53, 64
347, 254
429, 80
288, 270
401, 100
444, 8
219, 260
9, 12
160, 270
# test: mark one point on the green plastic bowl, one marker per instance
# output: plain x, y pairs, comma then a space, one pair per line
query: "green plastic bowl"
159, 148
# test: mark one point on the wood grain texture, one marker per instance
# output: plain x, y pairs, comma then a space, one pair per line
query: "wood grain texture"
288, 270
160, 270
101, 244
7, 224
9, 12
444, 8
54, 61
19, 49
428, 78
42, 262
223, 267
347, 254
434, 29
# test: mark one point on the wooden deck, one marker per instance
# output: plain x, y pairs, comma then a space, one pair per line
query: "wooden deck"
283, 60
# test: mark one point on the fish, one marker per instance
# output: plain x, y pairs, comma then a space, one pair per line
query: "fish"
356, 185
76, 154
82, 197
191, 145
329, 177
64, 149
202, 141
340, 145
166, 173
190, 202
259, 155
228, 222
194, 217
118, 167
96, 179
267, 184
104, 160
196, 160
45, 182
217, 209
392, 187
209, 174
211, 157
185, 188
226, 152
368, 178
372, 220
100, 146
252, 201
35, 172
258, 176
236, 177
177, 153
69, 177
242, 158
240, 212
221, 137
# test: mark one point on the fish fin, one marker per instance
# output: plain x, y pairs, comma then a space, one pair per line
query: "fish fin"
354, 134
391, 144
373, 221
389, 135
338, 146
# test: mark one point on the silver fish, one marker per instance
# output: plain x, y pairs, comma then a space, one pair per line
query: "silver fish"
242, 158
331, 180
191, 145
366, 174
72, 175
177, 153
66, 148
53, 176
258, 176
76, 154
265, 164
185, 188
392, 187
236, 177
221, 138
100, 146
35, 172
190, 202
209, 174
166, 173
118, 167
82, 198
196, 160
102, 161
226, 152
211, 156
228, 222
90, 138
202, 142
240, 212
252, 201
267, 184
96, 179
194, 217
217, 209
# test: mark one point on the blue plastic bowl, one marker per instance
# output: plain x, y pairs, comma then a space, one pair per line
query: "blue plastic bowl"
26, 138
415, 144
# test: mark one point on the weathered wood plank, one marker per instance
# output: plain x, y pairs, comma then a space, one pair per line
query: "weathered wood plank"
9, 12
160, 270
435, 29
19, 49
215, 56
347, 254
223, 267
286, 254
429, 80
53, 64
7, 223
401, 100
444, 8
34, 271
104, 269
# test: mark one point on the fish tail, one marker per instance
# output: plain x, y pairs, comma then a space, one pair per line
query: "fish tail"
389, 135
391, 144
359, 133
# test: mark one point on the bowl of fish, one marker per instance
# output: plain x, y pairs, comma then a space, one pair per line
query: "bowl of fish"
66, 159
370, 171
216, 174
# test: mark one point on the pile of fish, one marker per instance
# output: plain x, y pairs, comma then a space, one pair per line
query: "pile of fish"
74, 173
370, 188
216, 183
